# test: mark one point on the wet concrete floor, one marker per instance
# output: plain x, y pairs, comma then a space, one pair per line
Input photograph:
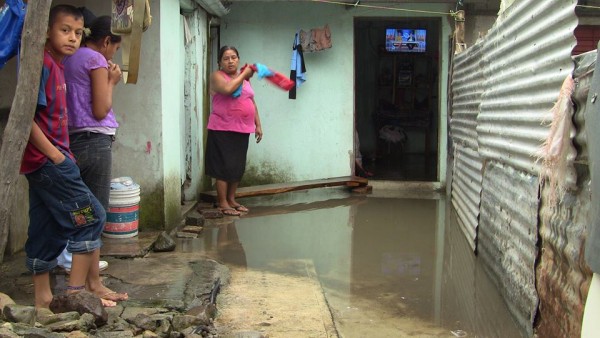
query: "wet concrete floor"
389, 265
322, 263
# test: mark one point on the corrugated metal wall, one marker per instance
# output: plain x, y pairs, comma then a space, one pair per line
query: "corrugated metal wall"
507, 241
466, 190
526, 57
562, 275
503, 90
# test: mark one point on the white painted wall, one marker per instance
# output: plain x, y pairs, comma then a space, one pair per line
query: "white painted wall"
310, 137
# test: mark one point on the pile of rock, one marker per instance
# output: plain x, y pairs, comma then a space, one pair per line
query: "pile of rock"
82, 315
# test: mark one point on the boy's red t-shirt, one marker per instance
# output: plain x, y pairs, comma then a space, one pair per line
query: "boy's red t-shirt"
51, 115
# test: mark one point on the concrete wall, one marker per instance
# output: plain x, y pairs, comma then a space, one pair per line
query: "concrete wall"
195, 101
310, 137
148, 145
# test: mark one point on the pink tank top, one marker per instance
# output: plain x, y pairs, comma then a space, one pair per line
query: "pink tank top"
233, 114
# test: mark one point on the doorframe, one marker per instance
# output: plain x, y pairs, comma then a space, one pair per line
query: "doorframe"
443, 80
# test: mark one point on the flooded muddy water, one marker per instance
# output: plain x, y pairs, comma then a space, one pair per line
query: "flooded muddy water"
388, 265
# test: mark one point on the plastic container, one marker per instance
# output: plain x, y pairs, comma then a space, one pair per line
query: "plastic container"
123, 214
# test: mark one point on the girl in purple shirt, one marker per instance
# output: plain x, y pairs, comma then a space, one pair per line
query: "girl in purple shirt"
91, 77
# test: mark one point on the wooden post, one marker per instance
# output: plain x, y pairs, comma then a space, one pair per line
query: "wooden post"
18, 128
459, 32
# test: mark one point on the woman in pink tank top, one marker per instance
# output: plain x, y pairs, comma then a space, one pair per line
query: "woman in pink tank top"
233, 118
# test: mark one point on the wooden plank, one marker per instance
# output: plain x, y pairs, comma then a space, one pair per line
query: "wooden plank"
278, 188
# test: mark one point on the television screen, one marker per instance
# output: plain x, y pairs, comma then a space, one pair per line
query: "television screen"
406, 40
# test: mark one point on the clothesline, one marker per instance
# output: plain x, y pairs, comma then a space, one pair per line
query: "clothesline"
451, 13
588, 6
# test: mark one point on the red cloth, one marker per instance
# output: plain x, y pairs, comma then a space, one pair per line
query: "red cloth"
277, 79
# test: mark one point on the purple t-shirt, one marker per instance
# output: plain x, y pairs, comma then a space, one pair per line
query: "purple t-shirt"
78, 69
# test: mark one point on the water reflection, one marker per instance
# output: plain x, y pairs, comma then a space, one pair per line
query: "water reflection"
388, 266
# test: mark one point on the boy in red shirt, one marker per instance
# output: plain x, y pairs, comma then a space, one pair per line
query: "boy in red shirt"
62, 210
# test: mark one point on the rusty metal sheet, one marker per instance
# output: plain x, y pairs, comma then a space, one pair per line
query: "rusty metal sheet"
466, 190
563, 276
508, 235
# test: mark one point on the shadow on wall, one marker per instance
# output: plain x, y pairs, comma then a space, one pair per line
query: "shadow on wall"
3, 120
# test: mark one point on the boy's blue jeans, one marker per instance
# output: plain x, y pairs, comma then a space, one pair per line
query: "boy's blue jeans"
62, 212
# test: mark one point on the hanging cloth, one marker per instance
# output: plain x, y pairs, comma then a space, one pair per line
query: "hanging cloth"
12, 18
298, 69
130, 18
315, 40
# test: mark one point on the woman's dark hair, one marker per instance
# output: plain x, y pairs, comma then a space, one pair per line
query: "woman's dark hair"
88, 16
63, 9
100, 28
224, 49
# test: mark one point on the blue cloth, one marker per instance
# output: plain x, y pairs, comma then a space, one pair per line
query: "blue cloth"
238, 91
62, 212
12, 17
298, 62
263, 71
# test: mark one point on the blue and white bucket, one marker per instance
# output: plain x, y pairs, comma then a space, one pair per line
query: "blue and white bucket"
123, 214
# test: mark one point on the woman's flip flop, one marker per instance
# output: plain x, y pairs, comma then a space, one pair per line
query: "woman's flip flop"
241, 208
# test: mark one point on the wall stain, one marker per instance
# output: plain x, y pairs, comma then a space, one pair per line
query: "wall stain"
173, 202
151, 209
267, 172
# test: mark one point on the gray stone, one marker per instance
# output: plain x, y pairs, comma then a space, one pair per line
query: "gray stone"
195, 219
5, 300
149, 334
76, 334
163, 243
192, 229
64, 326
6, 333
116, 324
182, 322
144, 322
175, 334
28, 331
164, 328
182, 234
205, 313
19, 313
82, 302
47, 317
115, 311
191, 332
115, 334
211, 213
130, 313
163, 316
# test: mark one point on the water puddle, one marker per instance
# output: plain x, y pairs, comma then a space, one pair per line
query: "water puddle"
392, 266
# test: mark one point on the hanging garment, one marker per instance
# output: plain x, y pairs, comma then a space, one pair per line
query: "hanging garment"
270, 75
298, 69
316, 39
12, 17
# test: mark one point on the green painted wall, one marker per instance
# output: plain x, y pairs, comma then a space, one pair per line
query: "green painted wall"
311, 137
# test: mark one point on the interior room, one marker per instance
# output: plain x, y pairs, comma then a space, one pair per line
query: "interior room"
397, 98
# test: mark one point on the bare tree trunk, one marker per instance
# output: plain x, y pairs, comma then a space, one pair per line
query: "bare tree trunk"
16, 133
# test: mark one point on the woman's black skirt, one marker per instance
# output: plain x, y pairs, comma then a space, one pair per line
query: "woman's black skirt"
226, 155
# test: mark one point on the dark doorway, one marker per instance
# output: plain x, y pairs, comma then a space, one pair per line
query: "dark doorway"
397, 98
